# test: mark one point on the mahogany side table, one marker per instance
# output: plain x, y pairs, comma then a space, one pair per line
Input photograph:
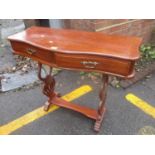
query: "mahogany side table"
78, 50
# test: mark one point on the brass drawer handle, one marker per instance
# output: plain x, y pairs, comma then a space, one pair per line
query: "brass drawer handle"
89, 64
31, 51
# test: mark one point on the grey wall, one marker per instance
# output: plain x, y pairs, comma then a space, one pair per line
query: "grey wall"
9, 27
56, 23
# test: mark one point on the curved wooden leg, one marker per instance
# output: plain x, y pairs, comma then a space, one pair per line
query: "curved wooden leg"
101, 109
49, 85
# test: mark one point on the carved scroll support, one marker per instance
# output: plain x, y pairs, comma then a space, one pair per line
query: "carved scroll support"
101, 108
49, 85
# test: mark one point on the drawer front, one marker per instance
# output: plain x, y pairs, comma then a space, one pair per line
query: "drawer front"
94, 63
33, 52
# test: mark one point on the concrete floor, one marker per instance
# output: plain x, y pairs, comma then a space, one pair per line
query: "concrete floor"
122, 118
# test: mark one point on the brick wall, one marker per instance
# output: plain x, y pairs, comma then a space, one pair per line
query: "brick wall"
132, 27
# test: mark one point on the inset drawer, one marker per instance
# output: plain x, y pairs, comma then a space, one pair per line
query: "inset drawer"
94, 63
33, 52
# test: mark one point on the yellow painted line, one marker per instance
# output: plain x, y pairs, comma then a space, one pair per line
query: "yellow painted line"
144, 106
39, 112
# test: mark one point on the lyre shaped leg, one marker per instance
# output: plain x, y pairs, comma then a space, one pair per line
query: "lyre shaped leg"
49, 85
101, 108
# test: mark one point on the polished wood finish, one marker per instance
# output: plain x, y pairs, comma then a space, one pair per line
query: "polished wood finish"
101, 64
89, 112
78, 50
101, 108
54, 98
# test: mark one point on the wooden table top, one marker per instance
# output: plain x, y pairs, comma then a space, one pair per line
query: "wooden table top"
75, 41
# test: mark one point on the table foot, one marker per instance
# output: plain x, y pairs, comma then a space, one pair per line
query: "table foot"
48, 103
98, 122
46, 106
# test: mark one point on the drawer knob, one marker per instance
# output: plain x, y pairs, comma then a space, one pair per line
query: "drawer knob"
89, 64
31, 51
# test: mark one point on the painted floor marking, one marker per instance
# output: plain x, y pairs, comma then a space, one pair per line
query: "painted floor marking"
144, 106
39, 112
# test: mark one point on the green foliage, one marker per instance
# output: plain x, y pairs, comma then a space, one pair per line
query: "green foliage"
148, 51
83, 73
